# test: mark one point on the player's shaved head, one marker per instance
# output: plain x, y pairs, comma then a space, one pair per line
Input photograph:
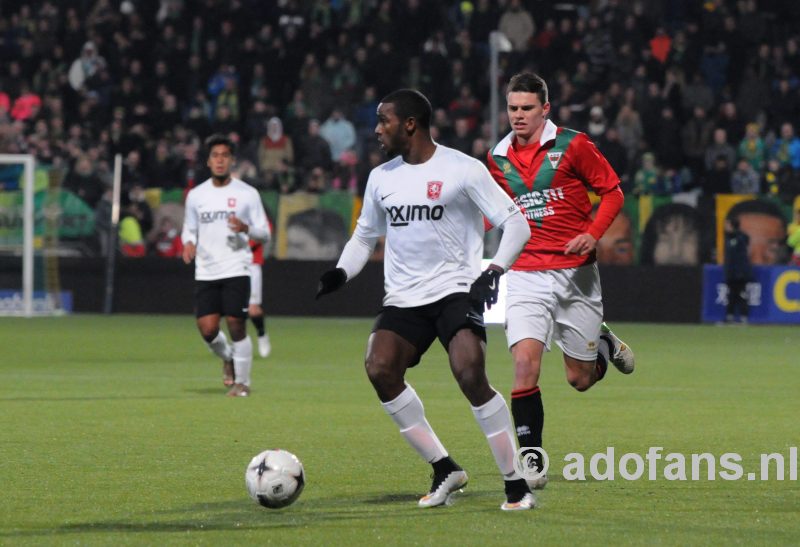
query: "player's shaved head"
410, 103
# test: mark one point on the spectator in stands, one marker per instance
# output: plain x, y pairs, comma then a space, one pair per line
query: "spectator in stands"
629, 127
84, 182
718, 179
314, 150
344, 176
646, 179
745, 179
752, 148
517, 25
720, 147
276, 156
787, 148
695, 139
339, 132
166, 241
163, 169
86, 67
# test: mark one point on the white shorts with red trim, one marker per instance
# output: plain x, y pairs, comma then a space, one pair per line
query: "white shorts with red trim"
564, 305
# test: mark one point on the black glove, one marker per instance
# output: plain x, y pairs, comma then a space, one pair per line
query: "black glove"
330, 281
484, 289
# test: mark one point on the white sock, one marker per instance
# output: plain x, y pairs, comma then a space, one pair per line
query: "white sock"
408, 413
243, 360
495, 421
220, 346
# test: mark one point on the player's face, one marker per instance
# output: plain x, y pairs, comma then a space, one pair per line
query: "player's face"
526, 114
766, 237
616, 245
220, 161
389, 130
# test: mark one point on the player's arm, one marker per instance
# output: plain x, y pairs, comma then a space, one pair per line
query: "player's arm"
371, 225
189, 231
502, 212
256, 227
593, 168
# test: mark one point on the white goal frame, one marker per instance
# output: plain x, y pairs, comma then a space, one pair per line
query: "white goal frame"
29, 165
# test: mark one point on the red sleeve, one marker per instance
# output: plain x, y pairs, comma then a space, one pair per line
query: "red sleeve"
610, 205
593, 168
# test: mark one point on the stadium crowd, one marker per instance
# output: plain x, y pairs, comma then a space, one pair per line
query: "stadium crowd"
679, 95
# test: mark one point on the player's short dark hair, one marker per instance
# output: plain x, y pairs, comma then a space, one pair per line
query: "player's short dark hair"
217, 139
756, 206
528, 82
410, 103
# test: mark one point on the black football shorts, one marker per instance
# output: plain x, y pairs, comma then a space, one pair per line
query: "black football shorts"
229, 297
442, 319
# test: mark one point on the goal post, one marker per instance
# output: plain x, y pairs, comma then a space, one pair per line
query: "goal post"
20, 211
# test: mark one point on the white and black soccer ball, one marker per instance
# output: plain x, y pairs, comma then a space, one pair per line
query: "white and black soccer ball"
275, 478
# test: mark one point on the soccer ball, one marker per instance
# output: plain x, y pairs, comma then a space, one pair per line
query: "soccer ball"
275, 478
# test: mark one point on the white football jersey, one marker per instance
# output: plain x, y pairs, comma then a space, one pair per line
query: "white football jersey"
431, 216
222, 253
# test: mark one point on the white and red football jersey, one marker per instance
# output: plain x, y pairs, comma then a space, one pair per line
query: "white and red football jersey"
432, 217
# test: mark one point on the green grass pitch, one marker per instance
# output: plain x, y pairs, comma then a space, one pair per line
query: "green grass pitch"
116, 431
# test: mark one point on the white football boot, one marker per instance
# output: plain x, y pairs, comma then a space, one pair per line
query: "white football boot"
621, 353
443, 488
528, 501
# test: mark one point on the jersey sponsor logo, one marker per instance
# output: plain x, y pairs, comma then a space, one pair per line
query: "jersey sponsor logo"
537, 198
402, 215
538, 213
554, 158
434, 189
207, 217
231, 202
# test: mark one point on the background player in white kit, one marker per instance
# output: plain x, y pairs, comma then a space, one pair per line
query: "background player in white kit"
221, 215
256, 311
428, 201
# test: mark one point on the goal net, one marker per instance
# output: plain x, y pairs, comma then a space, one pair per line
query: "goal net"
30, 214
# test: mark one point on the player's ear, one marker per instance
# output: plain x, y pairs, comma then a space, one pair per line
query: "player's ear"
411, 126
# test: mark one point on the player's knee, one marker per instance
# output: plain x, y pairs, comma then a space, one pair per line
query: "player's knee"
208, 333
380, 372
473, 382
580, 381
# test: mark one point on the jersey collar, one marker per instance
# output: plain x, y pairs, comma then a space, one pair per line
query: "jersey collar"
548, 134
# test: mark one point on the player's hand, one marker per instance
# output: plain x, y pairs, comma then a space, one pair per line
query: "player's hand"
580, 245
483, 291
236, 224
331, 281
188, 252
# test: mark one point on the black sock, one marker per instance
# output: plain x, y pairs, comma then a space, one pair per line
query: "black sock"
601, 365
516, 490
528, 412
259, 323
445, 466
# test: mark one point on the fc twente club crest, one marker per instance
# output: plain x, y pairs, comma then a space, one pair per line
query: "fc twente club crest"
554, 157
231, 202
434, 189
